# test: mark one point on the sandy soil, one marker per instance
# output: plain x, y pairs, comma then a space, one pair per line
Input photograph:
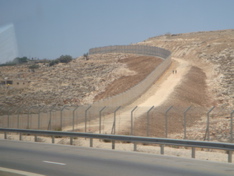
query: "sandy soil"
156, 96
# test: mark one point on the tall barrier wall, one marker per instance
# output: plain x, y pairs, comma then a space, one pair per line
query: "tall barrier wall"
69, 117
133, 49
136, 91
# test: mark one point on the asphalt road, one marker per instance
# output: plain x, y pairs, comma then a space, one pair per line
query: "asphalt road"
63, 160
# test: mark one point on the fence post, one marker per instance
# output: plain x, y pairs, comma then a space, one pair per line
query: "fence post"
39, 117
231, 127
114, 123
100, 119
148, 120
28, 116
185, 121
49, 125
8, 118
61, 116
132, 120
208, 124
73, 125
18, 110
86, 117
166, 121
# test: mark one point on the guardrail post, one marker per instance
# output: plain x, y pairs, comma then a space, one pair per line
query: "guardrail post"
53, 139
39, 117
193, 152
5, 135
231, 127
208, 124
100, 119
230, 156
113, 144
86, 111
132, 125
148, 120
185, 121
91, 142
73, 125
35, 138
135, 146
114, 123
162, 149
20, 136
166, 121
71, 140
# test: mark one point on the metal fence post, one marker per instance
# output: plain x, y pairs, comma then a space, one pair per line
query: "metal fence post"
28, 116
231, 127
8, 118
148, 120
132, 125
114, 123
39, 117
61, 116
208, 124
18, 110
73, 125
86, 117
100, 119
49, 125
185, 121
166, 121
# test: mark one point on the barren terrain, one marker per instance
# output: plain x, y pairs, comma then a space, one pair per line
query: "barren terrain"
204, 62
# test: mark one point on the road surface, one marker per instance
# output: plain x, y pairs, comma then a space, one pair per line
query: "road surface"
63, 160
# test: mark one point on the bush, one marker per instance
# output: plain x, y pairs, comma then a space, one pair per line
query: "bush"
53, 62
61, 59
65, 59
21, 60
35, 66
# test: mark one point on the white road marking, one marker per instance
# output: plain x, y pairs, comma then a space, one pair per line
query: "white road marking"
14, 171
50, 162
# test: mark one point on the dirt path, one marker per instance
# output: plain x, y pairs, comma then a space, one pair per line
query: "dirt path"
155, 96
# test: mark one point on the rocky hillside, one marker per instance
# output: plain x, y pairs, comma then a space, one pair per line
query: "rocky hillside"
76, 83
82, 81
213, 51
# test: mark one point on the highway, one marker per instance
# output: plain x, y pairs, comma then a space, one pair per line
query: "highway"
65, 160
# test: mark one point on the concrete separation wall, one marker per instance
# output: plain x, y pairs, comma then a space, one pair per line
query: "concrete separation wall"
133, 93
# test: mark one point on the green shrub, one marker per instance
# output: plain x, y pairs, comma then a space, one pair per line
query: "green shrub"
35, 66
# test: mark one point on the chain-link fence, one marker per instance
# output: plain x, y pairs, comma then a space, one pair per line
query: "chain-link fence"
195, 123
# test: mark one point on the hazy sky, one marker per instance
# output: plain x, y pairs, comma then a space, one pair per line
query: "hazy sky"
51, 28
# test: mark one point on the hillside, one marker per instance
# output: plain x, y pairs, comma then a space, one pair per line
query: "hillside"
212, 52
79, 82
83, 81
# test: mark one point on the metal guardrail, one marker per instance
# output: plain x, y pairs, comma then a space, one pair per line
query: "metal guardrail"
229, 147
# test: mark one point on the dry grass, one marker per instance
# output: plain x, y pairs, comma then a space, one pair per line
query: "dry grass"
191, 91
141, 65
